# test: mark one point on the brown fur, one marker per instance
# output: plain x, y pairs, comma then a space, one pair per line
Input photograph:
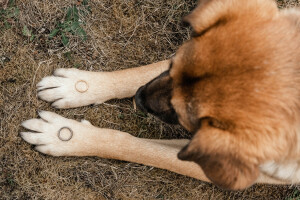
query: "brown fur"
235, 85
241, 71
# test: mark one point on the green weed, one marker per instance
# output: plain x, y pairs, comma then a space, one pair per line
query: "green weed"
10, 180
68, 55
8, 15
294, 196
77, 65
28, 33
71, 24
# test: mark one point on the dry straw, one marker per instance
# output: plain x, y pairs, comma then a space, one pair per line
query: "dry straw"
120, 34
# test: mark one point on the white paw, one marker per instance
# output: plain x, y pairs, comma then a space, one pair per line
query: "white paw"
45, 134
69, 88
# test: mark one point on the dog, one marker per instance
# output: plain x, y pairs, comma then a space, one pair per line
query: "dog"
235, 86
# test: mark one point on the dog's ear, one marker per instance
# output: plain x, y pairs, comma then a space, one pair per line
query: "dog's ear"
221, 159
210, 13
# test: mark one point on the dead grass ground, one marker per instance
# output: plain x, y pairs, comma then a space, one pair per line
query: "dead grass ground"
121, 34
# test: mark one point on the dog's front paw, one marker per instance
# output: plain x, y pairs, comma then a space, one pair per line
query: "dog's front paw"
57, 136
69, 88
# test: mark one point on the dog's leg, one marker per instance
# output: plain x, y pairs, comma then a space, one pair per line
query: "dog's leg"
69, 88
88, 140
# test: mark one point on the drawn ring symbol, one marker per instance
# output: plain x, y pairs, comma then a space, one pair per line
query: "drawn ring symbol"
81, 86
65, 134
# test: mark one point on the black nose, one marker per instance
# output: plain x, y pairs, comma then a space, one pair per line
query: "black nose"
140, 99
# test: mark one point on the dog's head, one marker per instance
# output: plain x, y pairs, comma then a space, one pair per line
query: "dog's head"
232, 86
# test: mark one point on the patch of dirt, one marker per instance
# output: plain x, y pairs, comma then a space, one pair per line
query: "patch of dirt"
121, 34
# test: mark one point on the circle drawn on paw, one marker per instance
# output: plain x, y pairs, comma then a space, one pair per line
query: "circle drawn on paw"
65, 134
81, 86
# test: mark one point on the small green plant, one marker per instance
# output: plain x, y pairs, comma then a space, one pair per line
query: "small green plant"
8, 15
71, 24
10, 180
68, 55
77, 65
121, 116
28, 33
294, 196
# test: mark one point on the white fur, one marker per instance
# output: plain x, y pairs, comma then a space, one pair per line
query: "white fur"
60, 88
289, 171
45, 134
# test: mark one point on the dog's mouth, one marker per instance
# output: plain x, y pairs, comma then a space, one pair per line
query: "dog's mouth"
155, 98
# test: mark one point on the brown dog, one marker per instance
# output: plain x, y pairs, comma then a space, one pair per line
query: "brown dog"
234, 85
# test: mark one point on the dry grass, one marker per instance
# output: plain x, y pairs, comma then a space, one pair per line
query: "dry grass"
121, 34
